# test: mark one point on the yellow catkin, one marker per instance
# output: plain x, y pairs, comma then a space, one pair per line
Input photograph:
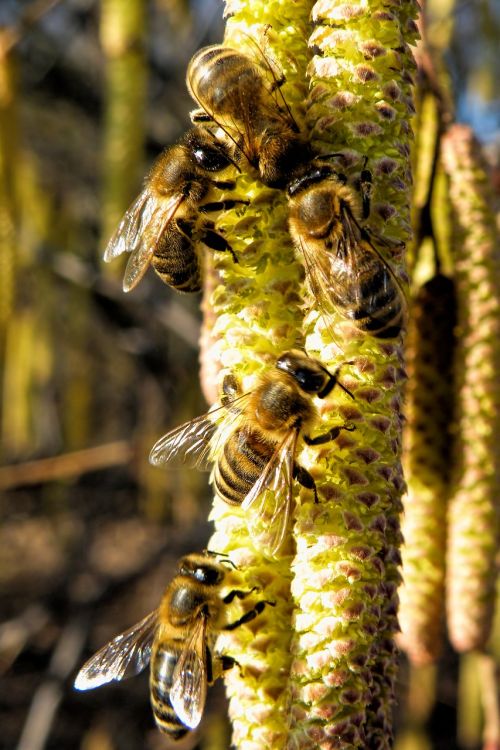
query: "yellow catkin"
427, 461
346, 568
122, 32
330, 685
473, 522
257, 315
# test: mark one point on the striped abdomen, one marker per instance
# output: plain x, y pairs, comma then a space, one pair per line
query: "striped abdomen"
368, 292
175, 259
246, 454
225, 82
163, 660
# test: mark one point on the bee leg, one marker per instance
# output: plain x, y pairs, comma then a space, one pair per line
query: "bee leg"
237, 593
365, 188
227, 662
231, 389
222, 663
216, 241
250, 615
277, 82
222, 205
199, 115
330, 435
369, 235
305, 479
209, 665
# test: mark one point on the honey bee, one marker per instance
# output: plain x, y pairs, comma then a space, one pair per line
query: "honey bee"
239, 96
252, 440
160, 226
177, 640
343, 268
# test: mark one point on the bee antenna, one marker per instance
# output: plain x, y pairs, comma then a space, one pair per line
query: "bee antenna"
219, 145
346, 390
335, 381
225, 555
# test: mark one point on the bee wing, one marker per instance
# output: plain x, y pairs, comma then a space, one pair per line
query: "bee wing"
129, 227
189, 680
346, 258
269, 512
195, 442
139, 231
143, 241
124, 656
237, 132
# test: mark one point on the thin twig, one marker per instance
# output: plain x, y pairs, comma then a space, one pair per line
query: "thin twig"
67, 465
47, 698
15, 633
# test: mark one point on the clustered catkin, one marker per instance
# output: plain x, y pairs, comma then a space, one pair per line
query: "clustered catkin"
318, 669
346, 568
257, 309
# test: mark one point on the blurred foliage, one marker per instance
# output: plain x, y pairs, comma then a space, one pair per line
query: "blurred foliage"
85, 104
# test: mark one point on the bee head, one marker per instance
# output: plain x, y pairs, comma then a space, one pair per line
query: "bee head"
281, 154
208, 153
309, 374
203, 568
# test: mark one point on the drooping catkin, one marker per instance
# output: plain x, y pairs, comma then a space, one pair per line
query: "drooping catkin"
346, 568
257, 315
473, 521
345, 572
427, 462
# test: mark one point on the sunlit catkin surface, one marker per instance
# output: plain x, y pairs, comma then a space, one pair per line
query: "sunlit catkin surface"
333, 686
257, 315
346, 568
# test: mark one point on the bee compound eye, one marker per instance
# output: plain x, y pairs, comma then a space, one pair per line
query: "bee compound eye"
211, 158
309, 381
208, 574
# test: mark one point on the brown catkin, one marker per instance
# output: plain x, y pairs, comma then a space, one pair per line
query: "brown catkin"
427, 461
473, 522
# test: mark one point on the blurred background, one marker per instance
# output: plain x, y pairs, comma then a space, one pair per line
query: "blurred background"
90, 92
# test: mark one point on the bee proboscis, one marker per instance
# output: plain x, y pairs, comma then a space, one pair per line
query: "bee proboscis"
240, 96
176, 639
252, 441
162, 225
344, 269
